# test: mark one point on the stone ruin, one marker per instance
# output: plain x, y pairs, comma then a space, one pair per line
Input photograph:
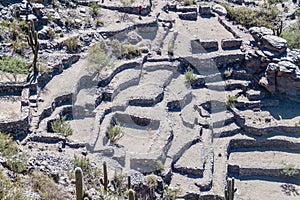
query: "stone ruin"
191, 128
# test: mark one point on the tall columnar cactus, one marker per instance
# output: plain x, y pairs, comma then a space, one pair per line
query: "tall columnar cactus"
229, 190
79, 183
32, 39
129, 182
131, 194
104, 181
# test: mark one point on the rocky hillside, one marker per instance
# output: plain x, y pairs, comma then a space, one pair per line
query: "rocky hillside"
166, 99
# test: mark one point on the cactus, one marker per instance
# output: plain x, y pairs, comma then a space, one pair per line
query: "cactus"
277, 30
104, 181
131, 194
79, 183
32, 39
129, 182
229, 191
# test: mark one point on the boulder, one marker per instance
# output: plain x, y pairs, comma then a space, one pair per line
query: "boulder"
220, 10
282, 78
288, 80
258, 32
274, 43
269, 80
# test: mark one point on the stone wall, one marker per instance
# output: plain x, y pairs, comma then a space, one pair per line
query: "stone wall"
19, 127
240, 172
231, 43
188, 16
204, 10
204, 45
65, 63
237, 144
58, 101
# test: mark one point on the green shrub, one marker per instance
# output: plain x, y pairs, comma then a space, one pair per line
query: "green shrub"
120, 50
72, 44
292, 35
170, 193
297, 13
228, 72
114, 133
51, 34
61, 126
231, 100
127, 2
16, 28
46, 187
189, 75
82, 162
271, 2
95, 8
14, 65
159, 166
17, 163
152, 181
290, 170
188, 2
11, 190
250, 17
8, 147
98, 58
131, 51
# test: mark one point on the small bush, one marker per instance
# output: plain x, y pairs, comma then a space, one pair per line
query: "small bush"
95, 8
69, 22
228, 72
17, 163
159, 166
82, 162
46, 187
170, 193
131, 51
99, 23
188, 2
189, 75
271, 2
114, 133
11, 190
14, 65
290, 170
98, 58
61, 126
292, 35
120, 50
250, 17
127, 2
231, 100
152, 181
51, 34
8, 147
72, 44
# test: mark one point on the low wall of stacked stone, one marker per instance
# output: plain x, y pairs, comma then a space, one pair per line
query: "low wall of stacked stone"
19, 127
